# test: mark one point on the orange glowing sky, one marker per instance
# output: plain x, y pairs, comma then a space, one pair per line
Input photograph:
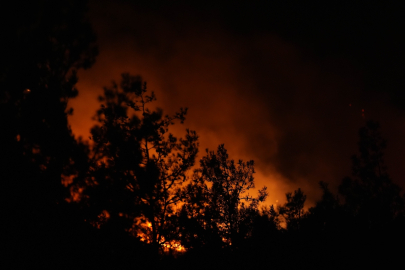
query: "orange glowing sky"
266, 98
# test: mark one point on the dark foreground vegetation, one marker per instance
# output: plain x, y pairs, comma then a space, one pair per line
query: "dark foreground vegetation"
132, 198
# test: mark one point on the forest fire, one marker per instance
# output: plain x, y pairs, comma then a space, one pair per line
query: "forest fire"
144, 232
104, 175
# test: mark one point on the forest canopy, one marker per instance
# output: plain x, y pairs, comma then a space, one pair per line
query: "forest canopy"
135, 195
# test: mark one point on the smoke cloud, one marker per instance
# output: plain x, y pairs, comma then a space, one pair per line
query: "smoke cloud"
266, 98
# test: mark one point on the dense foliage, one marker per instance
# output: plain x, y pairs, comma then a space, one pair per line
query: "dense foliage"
134, 197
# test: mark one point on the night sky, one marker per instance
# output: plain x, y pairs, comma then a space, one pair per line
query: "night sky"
282, 84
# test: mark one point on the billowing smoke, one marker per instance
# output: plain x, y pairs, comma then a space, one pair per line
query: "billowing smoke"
265, 98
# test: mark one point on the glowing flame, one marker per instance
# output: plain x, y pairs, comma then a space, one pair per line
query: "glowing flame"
102, 218
144, 232
174, 245
67, 179
75, 194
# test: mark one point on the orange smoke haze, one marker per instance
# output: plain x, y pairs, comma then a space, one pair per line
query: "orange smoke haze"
265, 98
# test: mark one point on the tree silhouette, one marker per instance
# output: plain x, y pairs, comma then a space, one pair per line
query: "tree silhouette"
370, 195
137, 167
44, 44
47, 44
229, 209
293, 209
326, 215
197, 226
266, 228
273, 217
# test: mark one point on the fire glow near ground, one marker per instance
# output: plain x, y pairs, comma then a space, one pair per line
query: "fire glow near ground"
298, 87
264, 93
